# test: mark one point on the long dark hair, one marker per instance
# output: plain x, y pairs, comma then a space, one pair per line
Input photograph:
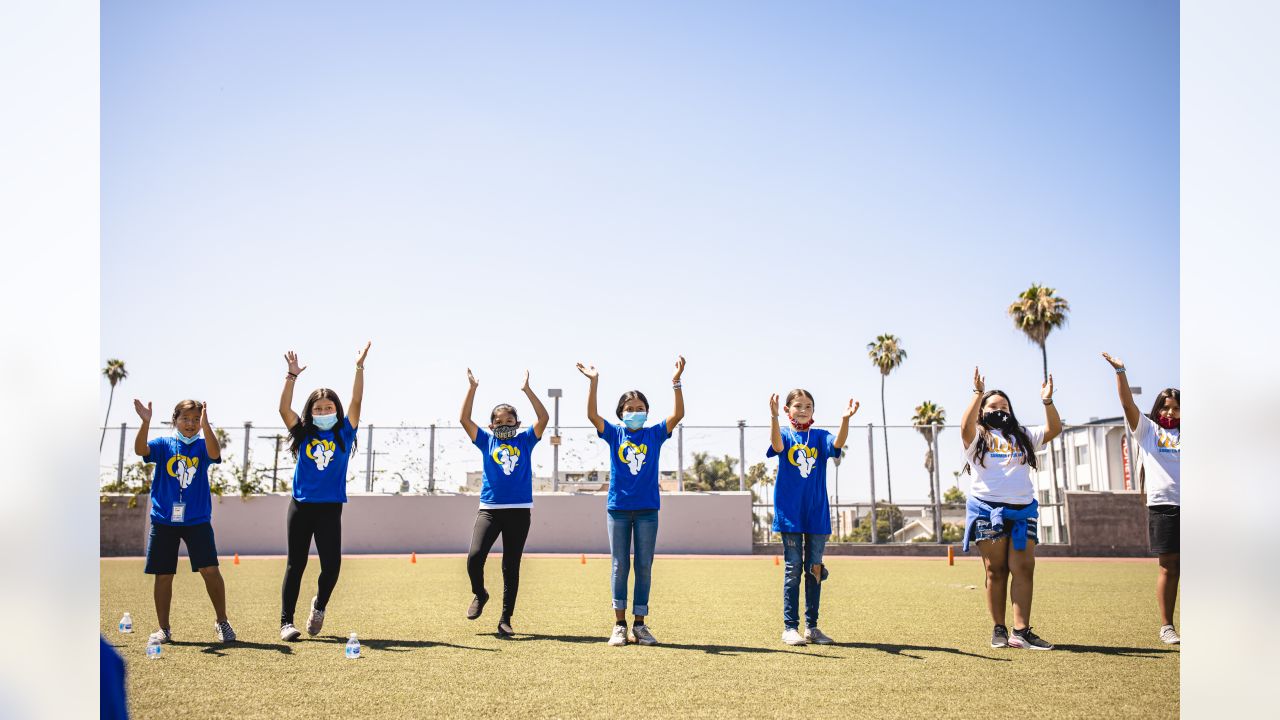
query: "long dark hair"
306, 427
1020, 436
1165, 394
632, 395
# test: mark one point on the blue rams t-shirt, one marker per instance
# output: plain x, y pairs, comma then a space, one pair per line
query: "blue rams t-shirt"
508, 469
633, 465
321, 472
182, 474
800, 493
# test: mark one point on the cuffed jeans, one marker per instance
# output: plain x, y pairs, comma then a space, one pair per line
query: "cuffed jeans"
626, 527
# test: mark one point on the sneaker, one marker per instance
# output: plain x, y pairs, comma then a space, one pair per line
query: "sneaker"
161, 636
224, 632
315, 620
640, 634
289, 633
1169, 636
1028, 640
477, 606
814, 635
504, 628
792, 636
619, 636
1000, 637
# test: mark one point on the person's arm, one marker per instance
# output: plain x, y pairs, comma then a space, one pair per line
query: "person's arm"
844, 423
969, 421
594, 376
357, 388
1132, 414
775, 433
287, 414
538, 407
211, 445
465, 417
140, 446
1053, 423
678, 413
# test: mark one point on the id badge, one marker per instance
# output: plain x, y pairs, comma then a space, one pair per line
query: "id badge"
179, 512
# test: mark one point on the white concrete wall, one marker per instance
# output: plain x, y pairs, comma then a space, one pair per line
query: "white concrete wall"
717, 523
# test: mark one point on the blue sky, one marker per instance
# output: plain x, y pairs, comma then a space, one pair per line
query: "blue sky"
762, 187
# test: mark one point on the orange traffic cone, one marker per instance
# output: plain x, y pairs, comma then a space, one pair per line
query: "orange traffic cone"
951, 554
237, 560
413, 557
584, 558
775, 559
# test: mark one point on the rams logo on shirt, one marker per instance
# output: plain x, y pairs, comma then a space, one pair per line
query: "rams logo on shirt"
803, 457
321, 451
183, 468
508, 457
633, 455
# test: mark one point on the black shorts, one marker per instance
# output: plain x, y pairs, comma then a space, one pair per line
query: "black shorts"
1162, 526
162, 547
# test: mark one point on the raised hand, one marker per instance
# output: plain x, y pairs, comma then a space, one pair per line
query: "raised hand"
773, 405
589, 370
292, 358
979, 382
204, 415
363, 354
679, 369
144, 411
853, 408
1046, 390
471, 379
525, 386
1116, 362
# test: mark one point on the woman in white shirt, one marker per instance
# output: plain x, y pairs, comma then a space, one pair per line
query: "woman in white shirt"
1157, 435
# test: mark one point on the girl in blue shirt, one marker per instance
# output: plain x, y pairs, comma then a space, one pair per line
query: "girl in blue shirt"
633, 496
801, 513
506, 497
321, 442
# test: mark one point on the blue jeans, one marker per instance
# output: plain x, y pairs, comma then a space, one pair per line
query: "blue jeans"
795, 548
624, 525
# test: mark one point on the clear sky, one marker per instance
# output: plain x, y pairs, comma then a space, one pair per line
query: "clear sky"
763, 187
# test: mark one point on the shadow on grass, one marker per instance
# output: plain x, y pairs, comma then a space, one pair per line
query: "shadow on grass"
401, 645
1151, 653
217, 648
708, 649
903, 650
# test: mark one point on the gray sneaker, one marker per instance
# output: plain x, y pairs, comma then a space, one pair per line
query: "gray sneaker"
640, 634
161, 636
1169, 636
814, 635
315, 621
1000, 637
289, 633
224, 632
792, 636
619, 636
1028, 640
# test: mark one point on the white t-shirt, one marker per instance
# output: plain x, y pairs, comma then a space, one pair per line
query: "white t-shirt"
1158, 450
1006, 477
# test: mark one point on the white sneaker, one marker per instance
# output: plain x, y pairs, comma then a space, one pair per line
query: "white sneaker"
814, 635
1169, 636
640, 634
289, 633
161, 636
224, 632
792, 636
619, 636
316, 620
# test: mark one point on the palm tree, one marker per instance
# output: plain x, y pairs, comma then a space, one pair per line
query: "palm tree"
886, 353
1038, 312
114, 372
928, 420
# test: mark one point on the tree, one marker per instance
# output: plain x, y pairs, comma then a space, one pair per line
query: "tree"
929, 419
953, 496
114, 372
886, 354
1038, 312
710, 474
887, 517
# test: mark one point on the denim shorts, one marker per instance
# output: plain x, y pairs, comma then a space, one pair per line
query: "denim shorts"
982, 529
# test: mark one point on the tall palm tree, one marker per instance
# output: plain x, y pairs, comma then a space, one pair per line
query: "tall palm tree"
1038, 312
886, 353
928, 420
114, 372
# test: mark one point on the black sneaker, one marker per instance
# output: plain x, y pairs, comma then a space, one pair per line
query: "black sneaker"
477, 606
504, 628
1028, 640
1000, 637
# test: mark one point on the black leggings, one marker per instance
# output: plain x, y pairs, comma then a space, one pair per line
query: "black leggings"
324, 522
513, 525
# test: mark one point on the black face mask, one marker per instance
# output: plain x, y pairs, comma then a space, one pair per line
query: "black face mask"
998, 419
505, 432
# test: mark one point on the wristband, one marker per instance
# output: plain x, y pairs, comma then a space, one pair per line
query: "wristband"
1120, 371
676, 386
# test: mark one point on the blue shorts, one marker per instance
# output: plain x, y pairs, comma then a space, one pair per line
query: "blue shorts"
162, 547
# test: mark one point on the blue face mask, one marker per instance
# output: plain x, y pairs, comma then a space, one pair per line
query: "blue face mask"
325, 422
634, 420
186, 440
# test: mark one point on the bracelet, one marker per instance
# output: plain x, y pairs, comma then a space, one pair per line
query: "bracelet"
290, 376
1120, 371
977, 391
676, 386
1048, 402
359, 367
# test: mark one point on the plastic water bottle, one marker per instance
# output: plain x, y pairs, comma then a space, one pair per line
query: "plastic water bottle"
353, 648
153, 649
126, 623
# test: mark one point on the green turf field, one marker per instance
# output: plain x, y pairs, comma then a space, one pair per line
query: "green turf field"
912, 642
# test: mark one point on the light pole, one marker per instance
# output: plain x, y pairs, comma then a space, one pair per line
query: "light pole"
555, 394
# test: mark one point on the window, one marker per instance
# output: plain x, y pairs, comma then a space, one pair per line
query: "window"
1082, 455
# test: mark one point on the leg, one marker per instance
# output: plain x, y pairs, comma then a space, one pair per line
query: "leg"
483, 534
620, 523
814, 547
1167, 585
217, 590
1022, 564
645, 531
995, 558
329, 548
162, 561
792, 555
299, 529
515, 531
204, 558
164, 597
